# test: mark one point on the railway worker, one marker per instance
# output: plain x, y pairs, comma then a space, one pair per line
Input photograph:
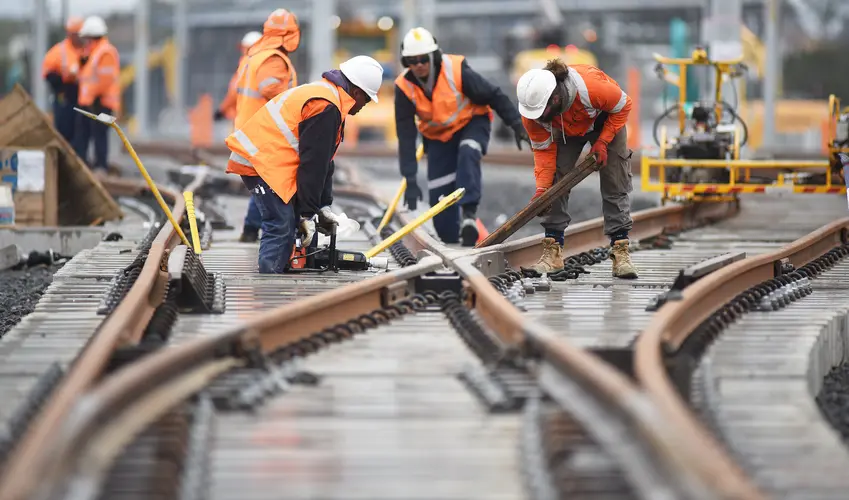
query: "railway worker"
100, 91
454, 107
227, 108
564, 108
265, 72
60, 68
290, 143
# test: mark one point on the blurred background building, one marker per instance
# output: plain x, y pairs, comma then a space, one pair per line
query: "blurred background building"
501, 39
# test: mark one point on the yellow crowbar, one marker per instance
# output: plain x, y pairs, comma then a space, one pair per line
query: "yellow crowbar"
110, 120
444, 203
193, 223
403, 187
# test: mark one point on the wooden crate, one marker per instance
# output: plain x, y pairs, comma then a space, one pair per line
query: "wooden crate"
82, 199
34, 206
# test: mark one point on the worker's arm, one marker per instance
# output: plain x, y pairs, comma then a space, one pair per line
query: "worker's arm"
327, 193
405, 129
51, 69
605, 95
317, 144
228, 104
273, 77
545, 153
481, 91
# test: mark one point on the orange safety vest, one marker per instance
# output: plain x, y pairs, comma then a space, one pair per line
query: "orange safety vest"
448, 110
268, 142
248, 90
228, 104
64, 59
591, 92
99, 79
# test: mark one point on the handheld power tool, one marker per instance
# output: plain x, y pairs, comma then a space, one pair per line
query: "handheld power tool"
329, 258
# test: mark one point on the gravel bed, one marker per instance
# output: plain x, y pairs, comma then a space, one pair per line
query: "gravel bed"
20, 292
833, 399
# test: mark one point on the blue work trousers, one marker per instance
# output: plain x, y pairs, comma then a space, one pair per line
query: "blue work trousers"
88, 130
253, 219
279, 226
456, 164
64, 116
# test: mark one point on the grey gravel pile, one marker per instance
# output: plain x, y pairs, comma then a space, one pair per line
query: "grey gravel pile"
833, 399
20, 292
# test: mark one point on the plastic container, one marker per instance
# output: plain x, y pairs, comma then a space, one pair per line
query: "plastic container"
7, 205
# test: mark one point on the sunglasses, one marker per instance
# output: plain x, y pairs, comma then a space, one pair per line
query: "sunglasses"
413, 60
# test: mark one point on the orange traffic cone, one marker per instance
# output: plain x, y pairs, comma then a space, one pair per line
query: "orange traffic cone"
482, 232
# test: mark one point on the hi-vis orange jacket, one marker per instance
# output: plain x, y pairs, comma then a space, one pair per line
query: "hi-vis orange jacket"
268, 142
228, 104
449, 110
591, 92
99, 77
64, 59
252, 89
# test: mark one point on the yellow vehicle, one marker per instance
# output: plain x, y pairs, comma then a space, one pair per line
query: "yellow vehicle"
536, 59
703, 161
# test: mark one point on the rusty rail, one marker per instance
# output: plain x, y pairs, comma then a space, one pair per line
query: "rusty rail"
124, 326
675, 321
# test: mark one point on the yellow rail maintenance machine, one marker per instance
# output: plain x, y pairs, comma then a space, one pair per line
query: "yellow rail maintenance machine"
703, 162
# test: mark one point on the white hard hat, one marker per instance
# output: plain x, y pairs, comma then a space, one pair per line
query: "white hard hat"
533, 90
93, 26
250, 38
417, 42
365, 73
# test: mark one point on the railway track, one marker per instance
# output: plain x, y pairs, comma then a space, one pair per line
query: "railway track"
449, 375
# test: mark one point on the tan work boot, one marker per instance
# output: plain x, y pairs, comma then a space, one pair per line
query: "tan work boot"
622, 265
551, 260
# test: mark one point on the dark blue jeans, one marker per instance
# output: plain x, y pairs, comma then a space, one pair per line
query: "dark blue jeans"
253, 219
279, 226
88, 130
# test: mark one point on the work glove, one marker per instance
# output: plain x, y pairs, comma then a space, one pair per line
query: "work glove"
218, 116
521, 135
539, 192
306, 228
326, 220
413, 194
600, 150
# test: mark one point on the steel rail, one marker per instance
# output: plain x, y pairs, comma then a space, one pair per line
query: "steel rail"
123, 326
120, 393
675, 321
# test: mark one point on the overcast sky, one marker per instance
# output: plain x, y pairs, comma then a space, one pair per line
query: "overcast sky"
16, 8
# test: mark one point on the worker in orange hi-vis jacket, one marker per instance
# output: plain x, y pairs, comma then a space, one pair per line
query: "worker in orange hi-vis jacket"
563, 108
266, 72
61, 68
227, 108
100, 91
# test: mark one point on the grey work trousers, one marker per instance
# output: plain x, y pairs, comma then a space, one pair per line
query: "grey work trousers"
615, 180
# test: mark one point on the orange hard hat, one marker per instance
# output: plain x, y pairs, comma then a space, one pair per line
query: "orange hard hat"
74, 24
281, 28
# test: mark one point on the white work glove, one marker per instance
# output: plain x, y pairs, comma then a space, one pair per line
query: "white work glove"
326, 218
342, 221
306, 228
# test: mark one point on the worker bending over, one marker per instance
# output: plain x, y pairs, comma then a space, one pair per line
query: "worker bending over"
266, 72
454, 106
100, 91
227, 108
61, 68
563, 108
290, 143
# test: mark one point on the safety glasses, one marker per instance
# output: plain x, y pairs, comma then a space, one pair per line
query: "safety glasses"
413, 60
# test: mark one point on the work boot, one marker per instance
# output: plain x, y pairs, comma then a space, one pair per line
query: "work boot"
551, 259
469, 232
622, 265
249, 236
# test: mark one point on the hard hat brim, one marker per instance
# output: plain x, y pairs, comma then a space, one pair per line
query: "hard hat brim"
531, 113
372, 96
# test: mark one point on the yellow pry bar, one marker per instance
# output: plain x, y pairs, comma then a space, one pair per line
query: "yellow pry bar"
193, 223
111, 121
444, 203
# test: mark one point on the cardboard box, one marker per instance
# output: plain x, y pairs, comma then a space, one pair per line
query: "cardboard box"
32, 175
